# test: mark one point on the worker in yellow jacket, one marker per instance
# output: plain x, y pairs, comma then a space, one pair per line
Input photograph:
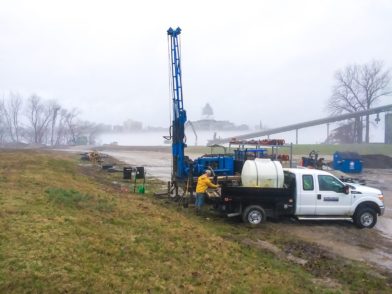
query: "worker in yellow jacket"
203, 183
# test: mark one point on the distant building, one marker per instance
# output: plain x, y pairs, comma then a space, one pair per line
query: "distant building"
132, 125
217, 125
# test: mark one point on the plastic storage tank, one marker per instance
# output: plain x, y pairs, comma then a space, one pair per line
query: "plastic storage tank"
262, 172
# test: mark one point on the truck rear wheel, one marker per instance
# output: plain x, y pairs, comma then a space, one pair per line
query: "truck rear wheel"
365, 217
253, 215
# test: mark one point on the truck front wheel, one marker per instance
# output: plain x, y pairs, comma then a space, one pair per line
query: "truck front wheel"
253, 215
365, 217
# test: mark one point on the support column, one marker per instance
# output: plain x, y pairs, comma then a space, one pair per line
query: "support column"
296, 136
327, 134
388, 128
358, 130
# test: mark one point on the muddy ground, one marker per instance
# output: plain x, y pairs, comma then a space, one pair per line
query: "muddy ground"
373, 246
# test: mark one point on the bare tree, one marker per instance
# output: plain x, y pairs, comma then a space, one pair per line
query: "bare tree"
91, 130
39, 115
2, 126
16, 107
46, 122
358, 87
54, 109
2, 123
375, 83
72, 125
11, 111
83, 132
60, 129
344, 133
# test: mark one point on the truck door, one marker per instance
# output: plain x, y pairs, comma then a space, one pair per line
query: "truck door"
306, 196
331, 199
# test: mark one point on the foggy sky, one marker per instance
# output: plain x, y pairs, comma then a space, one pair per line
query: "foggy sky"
272, 61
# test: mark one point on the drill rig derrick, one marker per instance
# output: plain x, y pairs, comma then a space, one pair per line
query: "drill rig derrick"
181, 165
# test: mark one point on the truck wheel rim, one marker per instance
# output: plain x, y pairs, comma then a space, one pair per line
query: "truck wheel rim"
255, 217
366, 219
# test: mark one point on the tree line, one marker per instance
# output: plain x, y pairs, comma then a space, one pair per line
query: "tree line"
357, 87
38, 121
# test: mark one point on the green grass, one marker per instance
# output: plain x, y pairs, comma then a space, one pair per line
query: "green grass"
324, 149
75, 199
68, 228
69, 198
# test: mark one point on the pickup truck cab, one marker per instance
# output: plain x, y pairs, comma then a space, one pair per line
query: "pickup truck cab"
307, 193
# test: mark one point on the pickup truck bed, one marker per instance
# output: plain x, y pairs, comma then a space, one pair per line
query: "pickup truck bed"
274, 201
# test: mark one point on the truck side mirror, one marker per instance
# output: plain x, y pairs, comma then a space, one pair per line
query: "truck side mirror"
346, 189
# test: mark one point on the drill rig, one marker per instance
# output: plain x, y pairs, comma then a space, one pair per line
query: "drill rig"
183, 168
180, 165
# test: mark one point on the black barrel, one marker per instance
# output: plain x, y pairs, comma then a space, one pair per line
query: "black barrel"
127, 173
107, 166
140, 172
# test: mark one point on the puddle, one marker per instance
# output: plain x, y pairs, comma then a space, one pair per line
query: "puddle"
384, 226
382, 258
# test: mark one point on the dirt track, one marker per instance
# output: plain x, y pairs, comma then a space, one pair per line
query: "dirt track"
340, 237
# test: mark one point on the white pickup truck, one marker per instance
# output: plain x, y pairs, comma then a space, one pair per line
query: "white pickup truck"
306, 193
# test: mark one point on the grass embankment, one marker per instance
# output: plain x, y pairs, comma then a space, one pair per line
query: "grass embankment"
62, 230
323, 149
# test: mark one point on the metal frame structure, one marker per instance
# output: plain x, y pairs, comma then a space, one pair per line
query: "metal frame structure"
179, 113
311, 123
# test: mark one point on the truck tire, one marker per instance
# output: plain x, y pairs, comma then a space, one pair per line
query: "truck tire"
254, 215
365, 217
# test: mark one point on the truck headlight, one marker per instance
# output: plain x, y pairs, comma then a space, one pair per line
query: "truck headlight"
381, 197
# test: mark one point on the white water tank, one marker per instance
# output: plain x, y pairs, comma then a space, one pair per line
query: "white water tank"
262, 172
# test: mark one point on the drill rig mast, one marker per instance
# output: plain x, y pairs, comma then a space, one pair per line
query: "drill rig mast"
180, 168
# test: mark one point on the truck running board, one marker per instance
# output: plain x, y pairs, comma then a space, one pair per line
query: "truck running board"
233, 214
323, 218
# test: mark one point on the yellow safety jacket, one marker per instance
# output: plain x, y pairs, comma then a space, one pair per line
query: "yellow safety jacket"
203, 183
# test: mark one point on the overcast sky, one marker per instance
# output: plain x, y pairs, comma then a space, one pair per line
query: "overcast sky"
272, 61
